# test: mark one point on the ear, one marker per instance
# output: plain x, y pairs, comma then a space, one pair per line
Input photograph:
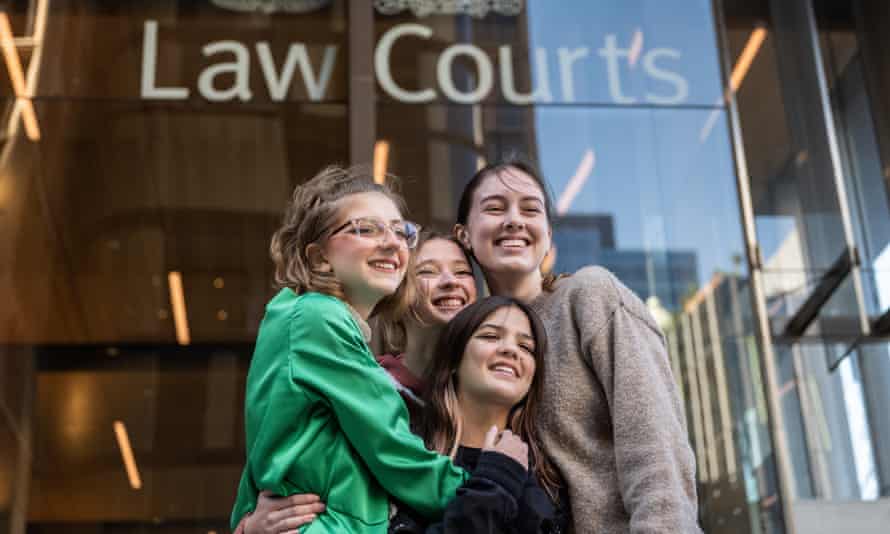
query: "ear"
460, 232
316, 258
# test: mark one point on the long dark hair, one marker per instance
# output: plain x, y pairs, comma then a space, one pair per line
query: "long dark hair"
441, 423
496, 169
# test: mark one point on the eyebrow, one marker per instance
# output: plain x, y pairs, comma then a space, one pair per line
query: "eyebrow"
452, 262
501, 329
503, 198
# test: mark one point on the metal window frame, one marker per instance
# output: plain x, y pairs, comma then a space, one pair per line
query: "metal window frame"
779, 441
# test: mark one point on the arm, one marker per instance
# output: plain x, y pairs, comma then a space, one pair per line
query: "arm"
275, 514
490, 500
656, 469
483, 505
330, 358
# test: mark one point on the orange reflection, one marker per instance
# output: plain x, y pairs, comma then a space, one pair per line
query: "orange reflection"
17, 77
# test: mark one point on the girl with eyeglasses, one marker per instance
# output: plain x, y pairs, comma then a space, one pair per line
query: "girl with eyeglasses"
321, 416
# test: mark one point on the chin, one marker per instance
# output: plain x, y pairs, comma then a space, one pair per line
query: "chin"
506, 395
385, 290
513, 266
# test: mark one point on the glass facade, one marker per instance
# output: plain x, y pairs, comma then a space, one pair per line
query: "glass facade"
728, 160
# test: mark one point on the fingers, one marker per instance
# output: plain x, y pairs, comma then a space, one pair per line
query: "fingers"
274, 502
276, 515
490, 437
301, 499
295, 516
512, 445
292, 524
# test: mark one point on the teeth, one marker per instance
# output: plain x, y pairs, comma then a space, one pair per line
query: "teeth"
384, 265
504, 369
512, 243
450, 303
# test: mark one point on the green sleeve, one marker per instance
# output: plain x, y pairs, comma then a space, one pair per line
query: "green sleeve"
328, 356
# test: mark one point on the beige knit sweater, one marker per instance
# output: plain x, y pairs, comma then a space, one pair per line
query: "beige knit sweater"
613, 422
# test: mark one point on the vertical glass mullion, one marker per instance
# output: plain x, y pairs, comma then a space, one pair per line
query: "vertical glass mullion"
767, 356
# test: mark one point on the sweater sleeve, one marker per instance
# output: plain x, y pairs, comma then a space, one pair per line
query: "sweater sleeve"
489, 502
655, 465
330, 358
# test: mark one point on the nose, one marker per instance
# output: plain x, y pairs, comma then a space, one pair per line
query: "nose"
447, 279
509, 349
514, 220
390, 240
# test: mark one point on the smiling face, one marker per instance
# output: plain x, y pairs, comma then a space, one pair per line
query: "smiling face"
498, 364
444, 281
507, 227
369, 269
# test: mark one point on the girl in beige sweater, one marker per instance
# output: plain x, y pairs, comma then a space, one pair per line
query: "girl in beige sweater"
613, 421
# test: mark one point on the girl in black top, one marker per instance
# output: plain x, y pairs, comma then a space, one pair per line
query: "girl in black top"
485, 376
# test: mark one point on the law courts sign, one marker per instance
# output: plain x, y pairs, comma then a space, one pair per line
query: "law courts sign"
611, 67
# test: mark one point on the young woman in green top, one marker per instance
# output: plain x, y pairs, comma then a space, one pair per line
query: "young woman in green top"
321, 416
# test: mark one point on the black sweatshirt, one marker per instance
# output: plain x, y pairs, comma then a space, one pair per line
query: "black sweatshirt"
513, 504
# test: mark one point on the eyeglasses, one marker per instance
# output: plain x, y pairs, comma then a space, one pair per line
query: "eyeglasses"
406, 232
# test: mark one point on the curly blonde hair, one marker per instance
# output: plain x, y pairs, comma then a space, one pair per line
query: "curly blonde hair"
312, 210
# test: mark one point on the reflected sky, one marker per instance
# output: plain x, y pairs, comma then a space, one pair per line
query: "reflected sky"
676, 42
664, 172
665, 189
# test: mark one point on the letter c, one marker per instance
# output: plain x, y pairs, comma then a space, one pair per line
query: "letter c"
381, 64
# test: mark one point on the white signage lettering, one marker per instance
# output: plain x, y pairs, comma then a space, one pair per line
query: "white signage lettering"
278, 84
672, 88
508, 85
149, 64
566, 77
483, 67
611, 52
381, 64
679, 82
240, 68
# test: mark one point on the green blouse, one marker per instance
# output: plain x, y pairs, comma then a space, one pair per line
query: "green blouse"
323, 417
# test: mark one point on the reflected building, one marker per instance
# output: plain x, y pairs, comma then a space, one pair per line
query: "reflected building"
668, 275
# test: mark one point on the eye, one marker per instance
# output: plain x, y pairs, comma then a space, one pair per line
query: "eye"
366, 228
464, 273
532, 209
426, 272
493, 208
527, 348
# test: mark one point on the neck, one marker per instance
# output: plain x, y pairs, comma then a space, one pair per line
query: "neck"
363, 304
363, 310
523, 287
478, 418
419, 346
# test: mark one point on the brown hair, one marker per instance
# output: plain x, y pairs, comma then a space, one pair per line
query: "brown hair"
440, 425
392, 333
496, 168
313, 209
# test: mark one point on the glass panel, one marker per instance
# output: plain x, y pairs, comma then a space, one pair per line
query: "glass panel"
833, 377
146, 171
643, 187
798, 217
853, 73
